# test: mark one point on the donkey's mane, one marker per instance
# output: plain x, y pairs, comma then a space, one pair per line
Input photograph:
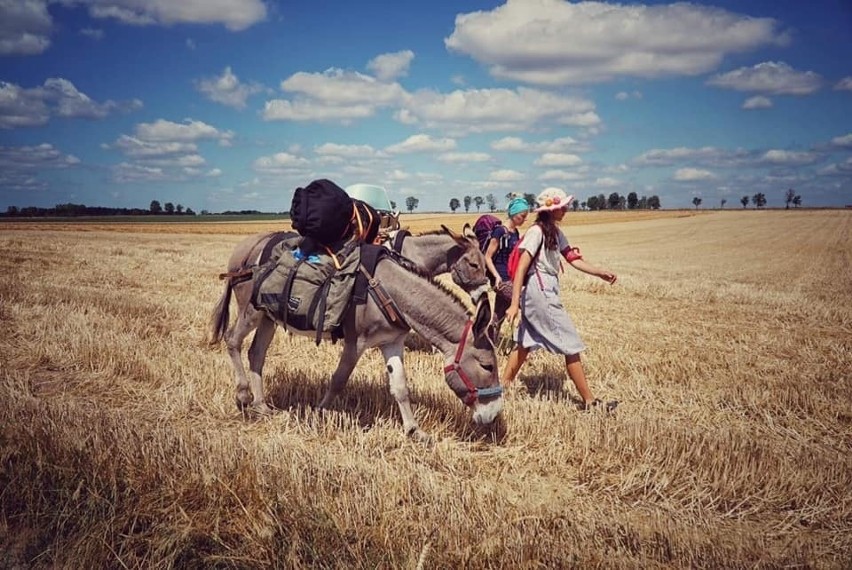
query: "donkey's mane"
412, 268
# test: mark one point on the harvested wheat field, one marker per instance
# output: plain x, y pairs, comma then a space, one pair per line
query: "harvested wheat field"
727, 340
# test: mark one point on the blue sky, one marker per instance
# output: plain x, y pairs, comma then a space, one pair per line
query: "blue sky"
232, 104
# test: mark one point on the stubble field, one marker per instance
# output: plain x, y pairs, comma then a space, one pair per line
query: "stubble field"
727, 340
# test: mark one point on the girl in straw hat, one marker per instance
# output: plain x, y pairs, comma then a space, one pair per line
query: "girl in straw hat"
544, 323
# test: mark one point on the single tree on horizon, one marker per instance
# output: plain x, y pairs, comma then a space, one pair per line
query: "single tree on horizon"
789, 196
478, 201
411, 203
467, 200
744, 201
696, 201
491, 201
632, 201
454, 204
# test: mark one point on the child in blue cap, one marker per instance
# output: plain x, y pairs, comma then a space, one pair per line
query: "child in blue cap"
503, 240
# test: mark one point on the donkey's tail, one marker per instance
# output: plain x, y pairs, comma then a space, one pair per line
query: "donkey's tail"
220, 318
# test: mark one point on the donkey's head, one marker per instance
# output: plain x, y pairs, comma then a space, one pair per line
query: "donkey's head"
467, 263
472, 374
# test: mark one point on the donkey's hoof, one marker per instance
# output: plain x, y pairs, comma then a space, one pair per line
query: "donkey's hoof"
243, 400
261, 409
420, 436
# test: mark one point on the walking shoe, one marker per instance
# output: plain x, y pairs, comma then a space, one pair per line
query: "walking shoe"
598, 404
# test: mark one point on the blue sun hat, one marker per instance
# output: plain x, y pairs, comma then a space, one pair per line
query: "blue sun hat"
517, 206
375, 196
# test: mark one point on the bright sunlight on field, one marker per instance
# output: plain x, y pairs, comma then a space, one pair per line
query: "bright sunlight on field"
727, 340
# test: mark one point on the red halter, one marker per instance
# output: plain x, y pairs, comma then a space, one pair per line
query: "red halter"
472, 392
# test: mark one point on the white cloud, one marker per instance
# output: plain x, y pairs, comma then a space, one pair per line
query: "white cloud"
552, 42
757, 102
227, 89
607, 182
280, 163
188, 131
138, 148
334, 95
336, 87
506, 175
398, 175
127, 172
561, 175
233, 14
165, 150
20, 107
465, 157
788, 157
837, 169
844, 84
693, 175
346, 151
704, 155
485, 110
560, 145
69, 102
422, 143
557, 159
35, 157
284, 110
844, 141
25, 27
391, 65
93, 33
183, 162
773, 78
624, 95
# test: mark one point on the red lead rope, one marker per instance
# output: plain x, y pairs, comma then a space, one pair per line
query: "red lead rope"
455, 367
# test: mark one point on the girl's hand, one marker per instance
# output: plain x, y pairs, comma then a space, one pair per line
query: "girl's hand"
497, 282
608, 277
512, 313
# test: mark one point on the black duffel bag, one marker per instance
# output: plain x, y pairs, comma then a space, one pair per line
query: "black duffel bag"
322, 210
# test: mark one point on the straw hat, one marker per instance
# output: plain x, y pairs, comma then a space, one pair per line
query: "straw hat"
552, 199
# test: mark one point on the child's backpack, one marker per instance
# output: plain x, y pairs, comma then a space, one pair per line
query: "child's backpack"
322, 210
513, 261
483, 227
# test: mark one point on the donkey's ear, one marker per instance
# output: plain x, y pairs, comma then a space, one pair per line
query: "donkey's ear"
482, 325
460, 239
467, 231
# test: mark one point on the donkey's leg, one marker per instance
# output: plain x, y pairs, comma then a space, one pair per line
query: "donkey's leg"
352, 351
257, 356
247, 321
399, 388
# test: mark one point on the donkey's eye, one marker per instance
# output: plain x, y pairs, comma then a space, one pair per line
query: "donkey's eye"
474, 265
488, 367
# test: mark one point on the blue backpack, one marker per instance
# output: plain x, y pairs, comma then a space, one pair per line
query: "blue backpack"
483, 227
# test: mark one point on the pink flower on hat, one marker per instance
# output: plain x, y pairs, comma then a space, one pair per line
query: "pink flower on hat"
553, 199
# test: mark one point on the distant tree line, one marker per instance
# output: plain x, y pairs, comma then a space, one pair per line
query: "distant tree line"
616, 201
77, 210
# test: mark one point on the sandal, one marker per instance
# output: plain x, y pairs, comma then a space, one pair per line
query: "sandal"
598, 404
